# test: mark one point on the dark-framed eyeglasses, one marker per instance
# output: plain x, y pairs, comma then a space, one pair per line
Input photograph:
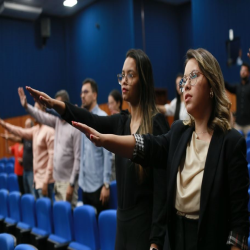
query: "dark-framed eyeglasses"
192, 77
122, 76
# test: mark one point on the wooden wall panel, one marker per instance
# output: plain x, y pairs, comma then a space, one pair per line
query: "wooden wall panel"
18, 121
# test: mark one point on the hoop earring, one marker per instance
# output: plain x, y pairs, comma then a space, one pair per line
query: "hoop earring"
211, 94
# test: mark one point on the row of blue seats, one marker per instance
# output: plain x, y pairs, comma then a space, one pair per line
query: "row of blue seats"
9, 182
6, 160
8, 168
8, 242
46, 226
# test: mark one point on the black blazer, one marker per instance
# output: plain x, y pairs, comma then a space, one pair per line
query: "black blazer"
224, 190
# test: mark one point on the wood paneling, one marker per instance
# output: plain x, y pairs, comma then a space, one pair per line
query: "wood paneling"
18, 121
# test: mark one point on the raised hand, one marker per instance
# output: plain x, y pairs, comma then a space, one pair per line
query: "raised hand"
46, 100
22, 96
90, 133
2, 123
41, 97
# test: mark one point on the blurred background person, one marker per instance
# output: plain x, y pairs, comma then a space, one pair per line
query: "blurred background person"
176, 107
115, 102
66, 160
43, 149
17, 151
242, 92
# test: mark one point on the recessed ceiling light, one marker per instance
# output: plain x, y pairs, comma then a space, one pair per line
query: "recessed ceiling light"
69, 3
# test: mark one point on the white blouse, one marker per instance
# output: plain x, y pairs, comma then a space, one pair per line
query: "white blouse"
170, 110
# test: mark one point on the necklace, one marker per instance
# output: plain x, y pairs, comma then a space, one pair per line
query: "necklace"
201, 132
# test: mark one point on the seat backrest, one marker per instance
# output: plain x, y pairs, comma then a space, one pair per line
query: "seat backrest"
248, 142
11, 160
3, 181
12, 183
44, 214
248, 155
107, 229
15, 206
9, 168
113, 195
28, 209
63, 227
25, 247
3, 160
85, 227
7, 242
1, 168
4, 207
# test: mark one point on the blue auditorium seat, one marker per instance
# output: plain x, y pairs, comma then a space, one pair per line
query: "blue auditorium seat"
28, 218
9, 168
3, 160
63, 228
11, 160
40, 233
7, 242
14, 212
12, 183
25, 247
248, 142
2, 168
107, 229
85, 229
113, 195
248, 155
3, 181
4, 209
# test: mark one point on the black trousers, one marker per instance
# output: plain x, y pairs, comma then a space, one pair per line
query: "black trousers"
133, 229
186, 233
20, 183
93, 199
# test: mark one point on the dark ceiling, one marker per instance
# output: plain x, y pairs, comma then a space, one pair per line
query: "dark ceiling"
56, 7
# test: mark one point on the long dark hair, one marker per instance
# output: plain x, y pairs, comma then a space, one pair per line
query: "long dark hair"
147, 94
178, 103
147, 106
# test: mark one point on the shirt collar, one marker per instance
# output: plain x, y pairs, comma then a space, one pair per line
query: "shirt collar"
95, 109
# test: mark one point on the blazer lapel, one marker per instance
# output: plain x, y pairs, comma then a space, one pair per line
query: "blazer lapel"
179, 151
211, 164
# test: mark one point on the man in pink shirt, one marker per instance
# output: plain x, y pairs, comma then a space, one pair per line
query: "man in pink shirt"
43, 151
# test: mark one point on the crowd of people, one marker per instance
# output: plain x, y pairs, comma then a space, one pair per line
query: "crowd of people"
179, 188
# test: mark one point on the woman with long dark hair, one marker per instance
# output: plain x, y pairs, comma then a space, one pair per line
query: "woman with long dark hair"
140, 191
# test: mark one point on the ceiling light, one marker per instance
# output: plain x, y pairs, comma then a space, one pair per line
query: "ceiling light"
69, 3
19, 10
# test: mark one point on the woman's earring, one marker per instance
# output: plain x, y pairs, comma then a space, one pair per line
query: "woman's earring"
211, 94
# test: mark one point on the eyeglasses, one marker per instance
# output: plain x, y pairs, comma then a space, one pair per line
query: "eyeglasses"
192, 78
122, 76
85, 92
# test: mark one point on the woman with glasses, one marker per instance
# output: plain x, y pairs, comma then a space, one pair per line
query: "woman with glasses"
140, 191
207, 177
176, 107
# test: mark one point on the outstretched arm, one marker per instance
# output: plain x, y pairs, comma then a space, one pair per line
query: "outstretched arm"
11, 137
121, 145
46, 100
26, 133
